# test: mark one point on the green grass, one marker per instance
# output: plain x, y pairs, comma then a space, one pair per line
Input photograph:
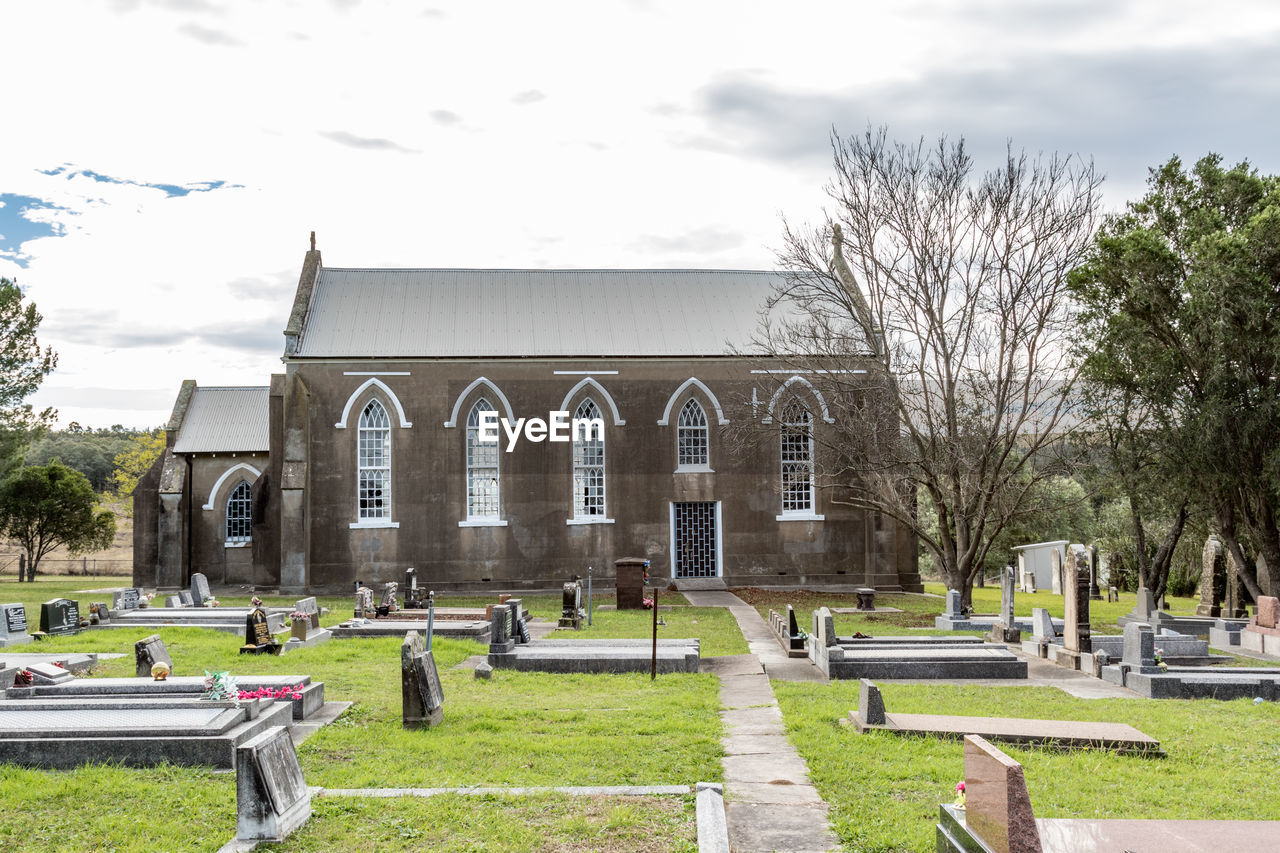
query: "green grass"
714, 627
533, 824
1220, 760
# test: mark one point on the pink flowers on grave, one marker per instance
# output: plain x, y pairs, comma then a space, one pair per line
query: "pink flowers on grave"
285, 692
959, 803
299, 615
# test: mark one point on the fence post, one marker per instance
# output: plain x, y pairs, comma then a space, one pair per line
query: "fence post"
22, 566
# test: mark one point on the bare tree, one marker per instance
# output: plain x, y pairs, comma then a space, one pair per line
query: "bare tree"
949, 381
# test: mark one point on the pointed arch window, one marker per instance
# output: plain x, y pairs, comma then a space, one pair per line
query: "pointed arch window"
374, 463
240, 514
691, 437
482, 468
797, 460
588, 463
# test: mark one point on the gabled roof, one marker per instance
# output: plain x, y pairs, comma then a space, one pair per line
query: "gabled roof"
442, 313
226, 420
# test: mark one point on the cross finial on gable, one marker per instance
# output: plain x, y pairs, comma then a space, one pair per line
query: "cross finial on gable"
313, 241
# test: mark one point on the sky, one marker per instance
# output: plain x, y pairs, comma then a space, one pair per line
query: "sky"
163, 161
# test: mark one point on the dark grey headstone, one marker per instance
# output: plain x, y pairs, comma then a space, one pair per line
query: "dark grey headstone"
429, 683
199, 589
60, 616
870, 703
1139, 646
184, 595
149, 651
498, 625
420, 691
272, 798
524, 631
13, 621
104, 612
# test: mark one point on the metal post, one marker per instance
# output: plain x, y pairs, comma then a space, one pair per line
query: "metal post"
588, 596
654, 673
431, 616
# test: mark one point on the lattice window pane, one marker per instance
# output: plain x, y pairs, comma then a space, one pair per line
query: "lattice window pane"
374, 463
691, 436
695, 540
588, 465
240, 513
482, 467
797, 459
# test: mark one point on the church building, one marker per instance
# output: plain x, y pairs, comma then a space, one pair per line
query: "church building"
370, 452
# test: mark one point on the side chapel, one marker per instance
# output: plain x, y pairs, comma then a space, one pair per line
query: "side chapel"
364, 458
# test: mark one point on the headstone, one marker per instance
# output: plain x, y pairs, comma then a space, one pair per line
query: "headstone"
571, 603
364, 602
500, 643
308, 606
172, 601
257, 634
1006, 596
1042, 625
870, 703
630, 574
272, 798
184, 596
794, 640
1268, 612
524, 632
388, 602
1095, 592
126, 599
516, 607
1213, 577
1140, 647
1113, 595
954, 604
866, 599
997, 805
827, 625
1075, 629
148, 652
60, 616
411, 601
199, 589
1055, 560
1145, 605
13, 625
103, 612
421, 695
1236, 598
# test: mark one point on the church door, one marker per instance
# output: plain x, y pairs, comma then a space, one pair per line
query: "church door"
695, 539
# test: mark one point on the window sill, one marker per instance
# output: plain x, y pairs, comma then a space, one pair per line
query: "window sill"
372, 523
237, 544
589, 520
483, 522
694, 469
800, 516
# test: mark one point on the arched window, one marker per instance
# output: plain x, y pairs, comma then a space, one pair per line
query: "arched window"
482, 467
797, 459
374, 463
588, 462
240, 514
691, 437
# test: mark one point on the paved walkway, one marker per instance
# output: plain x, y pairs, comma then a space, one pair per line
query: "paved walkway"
770, 803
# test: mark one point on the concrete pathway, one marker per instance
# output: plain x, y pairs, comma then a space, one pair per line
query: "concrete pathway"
770, 802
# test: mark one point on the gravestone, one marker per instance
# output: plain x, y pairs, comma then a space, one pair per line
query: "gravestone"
824, 628
199, 589
499, 642
126, 599
272, 798
1042, 625
312, 609
411, 599
571, 605
996, 800
1139, 648
866, 599
364, 603
103, 612
1095, 592
60, 616
1113, 595
1213, 577
1268, 612
173, 601
954, 606
1236, 597
1145, 605
1075, 629
13, 625
1006, 630
148, 652
794, 640
525, 637
870, 703
516, 606
421, 695
184, 596
257, 634
1055, 561
630, 574
388, 602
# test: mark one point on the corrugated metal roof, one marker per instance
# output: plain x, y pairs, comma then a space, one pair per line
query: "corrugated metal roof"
370, 313
226, 420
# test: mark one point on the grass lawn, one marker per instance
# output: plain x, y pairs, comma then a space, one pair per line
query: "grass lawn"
884, 790
519, 729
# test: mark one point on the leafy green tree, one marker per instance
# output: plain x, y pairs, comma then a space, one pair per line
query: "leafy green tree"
1181, 299
23, 365
135, 460
42, 507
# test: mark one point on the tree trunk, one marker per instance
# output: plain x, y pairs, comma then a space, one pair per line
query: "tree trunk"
1244, 569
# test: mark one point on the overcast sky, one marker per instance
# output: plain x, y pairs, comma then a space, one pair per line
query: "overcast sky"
164, 160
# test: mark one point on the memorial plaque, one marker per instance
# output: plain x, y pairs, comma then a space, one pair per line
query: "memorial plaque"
127, 599
428, 682
199, 589
276, 762
185, 597
148, 652
257, 631
60, 616
524, 632
15, 619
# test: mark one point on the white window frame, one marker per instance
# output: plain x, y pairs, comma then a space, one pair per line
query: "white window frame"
695, 432
366, 434
797, 417
588, 409
247, 504
475, 471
